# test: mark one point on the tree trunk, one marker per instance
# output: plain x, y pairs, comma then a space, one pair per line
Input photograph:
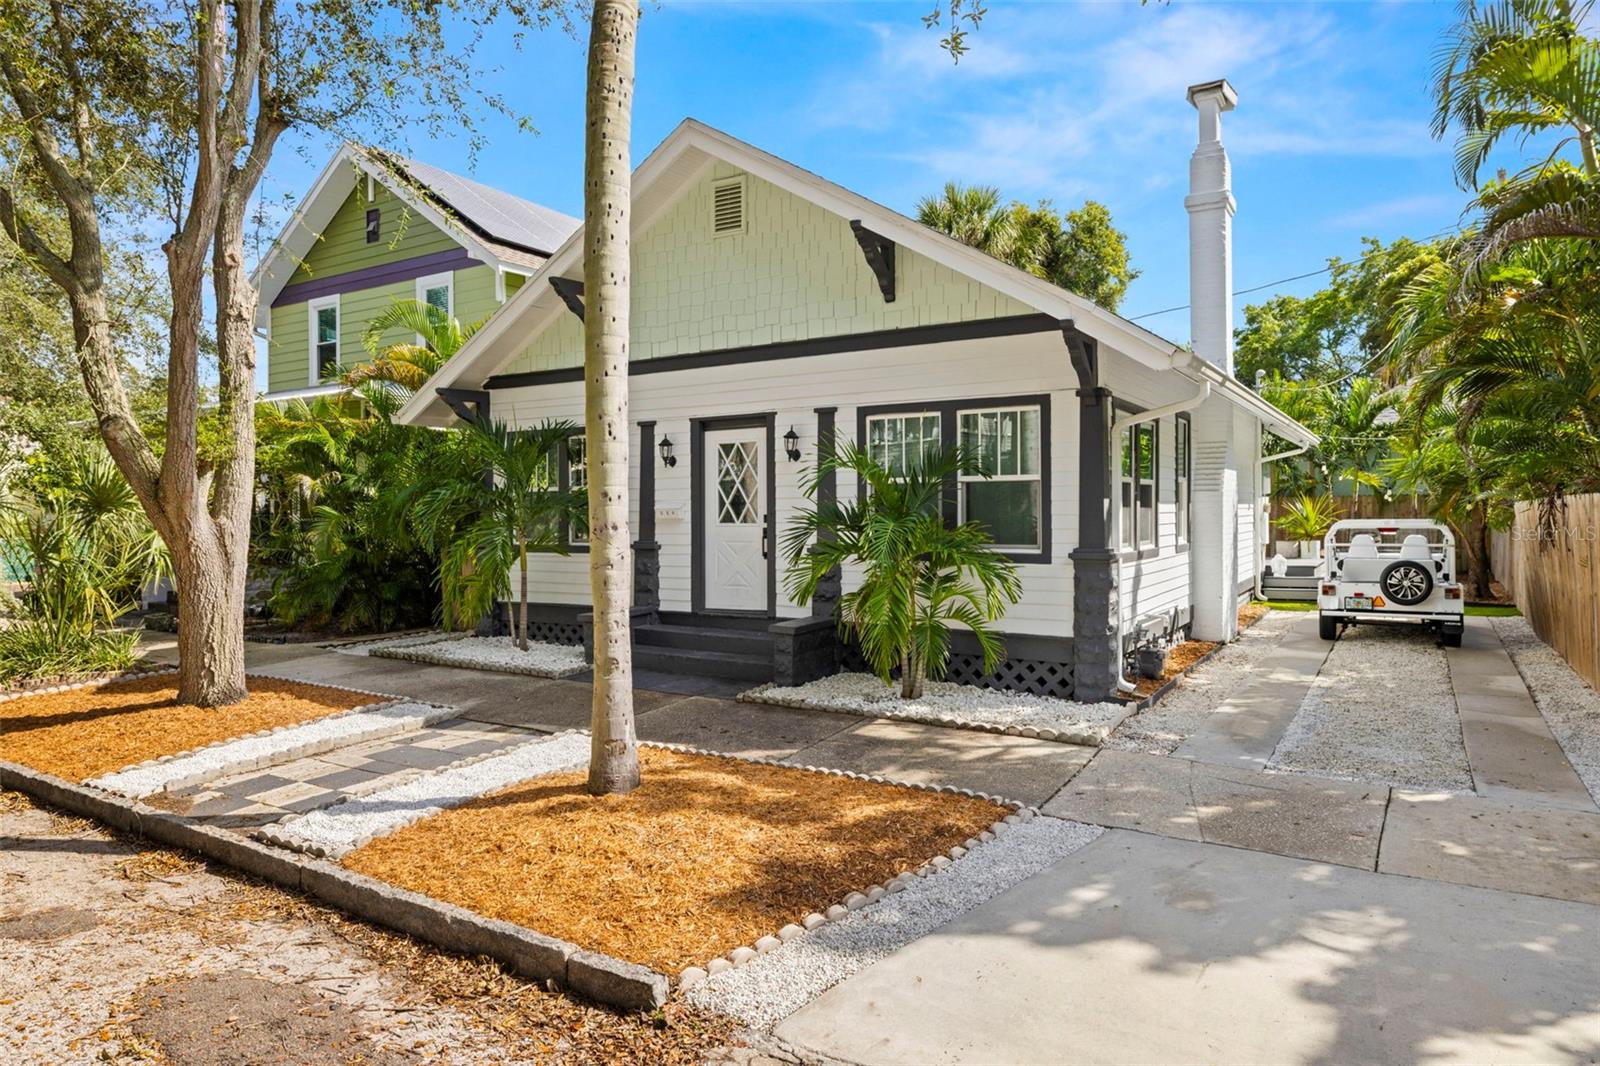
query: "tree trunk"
607, 211
1482, 573
210, 626
522, 594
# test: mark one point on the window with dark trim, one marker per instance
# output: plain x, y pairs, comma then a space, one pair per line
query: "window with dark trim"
575, 472
373, 220
1010, 435
1138, 484
1181, 468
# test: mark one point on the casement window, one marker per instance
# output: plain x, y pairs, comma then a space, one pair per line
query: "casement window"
1181, 466
324, 326
437, 290
1138, 483
374, 217
1010, 436
1006, 492
900, 442
577, 470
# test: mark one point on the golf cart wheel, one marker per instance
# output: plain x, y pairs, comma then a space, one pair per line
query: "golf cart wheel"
1406, 582
1450, 638
1327, 628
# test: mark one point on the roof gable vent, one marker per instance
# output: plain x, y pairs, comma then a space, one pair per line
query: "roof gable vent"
727, 207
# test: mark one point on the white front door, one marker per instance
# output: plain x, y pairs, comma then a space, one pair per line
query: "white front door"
735, 519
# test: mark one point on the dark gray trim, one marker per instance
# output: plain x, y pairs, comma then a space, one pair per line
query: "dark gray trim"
564, 486
948, 435
1151, 550
647, 481
470, 405
1182, 543
879, 253
1009, 326
826, 598
571, 293
1096, 658
697, 516
372, 276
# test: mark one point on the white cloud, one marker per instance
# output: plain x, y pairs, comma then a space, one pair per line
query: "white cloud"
1428, 206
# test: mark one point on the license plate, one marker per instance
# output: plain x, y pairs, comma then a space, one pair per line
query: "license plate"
1357, 603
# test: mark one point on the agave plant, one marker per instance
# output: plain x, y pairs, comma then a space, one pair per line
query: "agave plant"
919, 575
1309, 517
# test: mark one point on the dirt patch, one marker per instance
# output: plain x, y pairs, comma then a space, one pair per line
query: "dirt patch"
226, 1019
50, 923
708, 854
86, 732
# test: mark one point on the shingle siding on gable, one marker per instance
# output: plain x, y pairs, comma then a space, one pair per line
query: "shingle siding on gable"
796, 273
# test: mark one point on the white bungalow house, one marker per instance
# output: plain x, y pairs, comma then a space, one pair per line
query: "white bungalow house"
773, 308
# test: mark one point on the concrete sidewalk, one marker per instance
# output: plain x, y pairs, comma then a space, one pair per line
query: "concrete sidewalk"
1152, 950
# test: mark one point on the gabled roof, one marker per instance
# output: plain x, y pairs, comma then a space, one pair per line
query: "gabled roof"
496, 227
683, 157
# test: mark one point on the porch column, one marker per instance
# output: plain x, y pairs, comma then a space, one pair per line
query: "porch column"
830, 587
1094, 592
646, 550
1215, 565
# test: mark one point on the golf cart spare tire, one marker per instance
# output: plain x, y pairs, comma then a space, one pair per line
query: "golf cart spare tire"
1406, 582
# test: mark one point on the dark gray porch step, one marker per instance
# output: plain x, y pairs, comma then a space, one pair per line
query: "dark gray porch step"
719, 622
740, 666
704, 638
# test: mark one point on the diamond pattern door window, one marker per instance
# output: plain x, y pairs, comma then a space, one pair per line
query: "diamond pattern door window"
737, 495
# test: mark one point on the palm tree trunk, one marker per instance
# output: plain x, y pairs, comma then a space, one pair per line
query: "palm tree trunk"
522, 594
1482, 574
607, 214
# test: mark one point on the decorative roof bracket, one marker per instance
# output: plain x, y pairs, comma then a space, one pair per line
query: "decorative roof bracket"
571, 293
879, 252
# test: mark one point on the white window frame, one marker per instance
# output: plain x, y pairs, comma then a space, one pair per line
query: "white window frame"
1037, 477
902, 416
445, 281
577, 532
322, 303
1129, 483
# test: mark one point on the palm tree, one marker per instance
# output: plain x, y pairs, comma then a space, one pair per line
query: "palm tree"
1516, 69
919, 576
607, 236
480, 530
973, 215
405, 366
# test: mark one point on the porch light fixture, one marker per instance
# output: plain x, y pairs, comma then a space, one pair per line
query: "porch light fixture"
667, 458
791, 445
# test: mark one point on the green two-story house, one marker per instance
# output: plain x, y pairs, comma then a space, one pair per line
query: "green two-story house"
376, 228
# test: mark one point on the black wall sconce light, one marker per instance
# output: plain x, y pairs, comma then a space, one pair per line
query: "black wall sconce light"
791, 445
667, 458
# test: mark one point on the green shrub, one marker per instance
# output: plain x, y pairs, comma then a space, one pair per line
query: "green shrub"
51, 648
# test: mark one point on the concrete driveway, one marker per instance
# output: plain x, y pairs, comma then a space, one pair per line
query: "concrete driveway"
1145, 949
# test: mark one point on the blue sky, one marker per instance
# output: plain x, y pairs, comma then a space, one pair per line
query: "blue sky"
1064, 101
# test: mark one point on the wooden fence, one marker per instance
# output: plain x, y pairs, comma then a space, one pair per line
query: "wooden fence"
1554, 575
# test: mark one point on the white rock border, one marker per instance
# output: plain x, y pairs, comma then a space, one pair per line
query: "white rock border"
404, 639
1092, 737
282, 835
94, 682
427, 658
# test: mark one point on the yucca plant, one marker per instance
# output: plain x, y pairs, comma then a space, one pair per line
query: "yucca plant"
1308, 518
919, 575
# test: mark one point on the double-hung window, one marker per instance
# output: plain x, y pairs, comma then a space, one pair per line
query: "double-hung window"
577, 461
1138, 483
900, 442
1180, 475
1005, 492
324, 315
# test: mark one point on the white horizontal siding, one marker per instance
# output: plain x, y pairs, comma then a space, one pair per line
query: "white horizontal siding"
793, 389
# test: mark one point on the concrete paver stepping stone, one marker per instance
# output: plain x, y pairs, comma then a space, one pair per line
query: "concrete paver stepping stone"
1016, 768
1470, 840
754, 731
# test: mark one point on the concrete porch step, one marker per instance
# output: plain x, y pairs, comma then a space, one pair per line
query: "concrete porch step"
704, 638
740, 666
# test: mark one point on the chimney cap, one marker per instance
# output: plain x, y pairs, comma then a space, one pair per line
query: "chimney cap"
1219, 89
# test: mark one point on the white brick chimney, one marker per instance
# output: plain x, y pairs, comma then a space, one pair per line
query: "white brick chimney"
1210, 205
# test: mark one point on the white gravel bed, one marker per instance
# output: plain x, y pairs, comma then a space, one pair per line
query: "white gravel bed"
409, 640
338, 830
495, 653
273, 746
1185, 709
1570, 707
945, 703
769, 988
1381, 710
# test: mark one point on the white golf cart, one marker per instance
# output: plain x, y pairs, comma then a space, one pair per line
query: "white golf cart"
1390, 571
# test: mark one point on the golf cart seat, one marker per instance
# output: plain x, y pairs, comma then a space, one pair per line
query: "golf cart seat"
1416, 547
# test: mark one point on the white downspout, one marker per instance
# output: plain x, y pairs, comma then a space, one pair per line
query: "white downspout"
1261, 548
1117, 426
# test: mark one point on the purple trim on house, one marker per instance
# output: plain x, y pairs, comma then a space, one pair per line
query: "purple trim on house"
383, 274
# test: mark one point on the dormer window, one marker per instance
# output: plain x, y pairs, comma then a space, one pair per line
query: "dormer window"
373, 218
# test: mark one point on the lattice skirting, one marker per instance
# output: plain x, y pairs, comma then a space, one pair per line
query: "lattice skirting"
563, 628
555, 632
1035, 676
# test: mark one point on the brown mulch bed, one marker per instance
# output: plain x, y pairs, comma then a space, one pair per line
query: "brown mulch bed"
1180, 660
86, 732
1251, 613
708, 854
